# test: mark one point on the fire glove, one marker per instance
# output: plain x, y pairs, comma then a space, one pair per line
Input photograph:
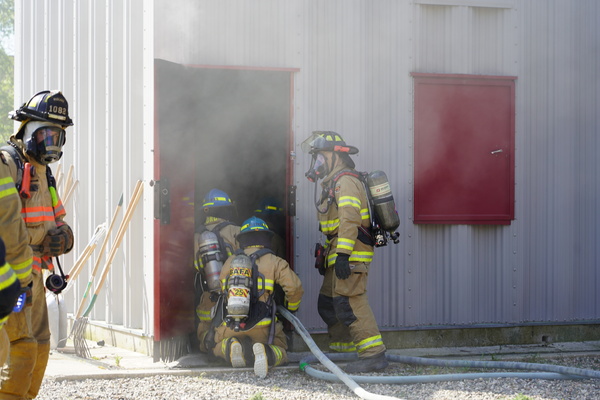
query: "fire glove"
58, 241
342, 266
10, 293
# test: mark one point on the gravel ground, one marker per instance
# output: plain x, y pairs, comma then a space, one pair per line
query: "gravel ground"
291, 384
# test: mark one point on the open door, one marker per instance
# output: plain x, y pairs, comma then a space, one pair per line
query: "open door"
215, 128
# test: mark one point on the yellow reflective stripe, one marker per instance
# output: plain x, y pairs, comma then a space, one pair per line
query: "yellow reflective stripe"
23, 269
264, 322
364, 213
342, 347
7, 187
293, 306
347, 244
268, 284
331, 258
373, 341
7, 276
349, 201
357, 256
203, 315
224, 344
361, 256
278, 354
329, 226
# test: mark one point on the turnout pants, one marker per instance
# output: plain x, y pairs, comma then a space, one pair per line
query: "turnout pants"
344, 307
29, 335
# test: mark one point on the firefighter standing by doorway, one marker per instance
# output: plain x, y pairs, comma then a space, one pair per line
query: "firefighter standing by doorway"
214, 241
247, 331
37, 143
343, 214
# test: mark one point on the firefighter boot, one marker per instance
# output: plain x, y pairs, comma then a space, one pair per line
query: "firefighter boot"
266, 355
16, 376
43, 353
236, 354
261, 363
367, 364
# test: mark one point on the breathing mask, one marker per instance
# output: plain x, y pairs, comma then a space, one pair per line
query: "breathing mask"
318, 168
44, 141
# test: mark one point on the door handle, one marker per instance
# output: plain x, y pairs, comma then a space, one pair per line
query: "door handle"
496, 151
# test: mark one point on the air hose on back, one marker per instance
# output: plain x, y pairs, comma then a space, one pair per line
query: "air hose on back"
545, 371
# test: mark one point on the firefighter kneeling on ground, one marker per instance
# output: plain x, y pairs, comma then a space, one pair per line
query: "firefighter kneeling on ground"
344, 218
249, 333
37, 143
214, 241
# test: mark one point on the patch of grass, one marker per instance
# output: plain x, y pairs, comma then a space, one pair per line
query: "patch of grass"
257, 396
521, 397
118, 360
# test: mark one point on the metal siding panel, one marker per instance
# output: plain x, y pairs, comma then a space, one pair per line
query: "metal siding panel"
82, 52
557, 49
354, 60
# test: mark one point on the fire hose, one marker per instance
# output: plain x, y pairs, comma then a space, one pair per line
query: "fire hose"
543, 371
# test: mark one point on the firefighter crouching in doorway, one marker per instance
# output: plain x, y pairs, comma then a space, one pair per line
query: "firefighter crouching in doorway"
37, 143
343, 215
214, 241
247, 331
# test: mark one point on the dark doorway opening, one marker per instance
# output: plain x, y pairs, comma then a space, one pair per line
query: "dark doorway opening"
221, 128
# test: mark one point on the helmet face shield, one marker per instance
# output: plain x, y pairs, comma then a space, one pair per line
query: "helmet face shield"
308, 146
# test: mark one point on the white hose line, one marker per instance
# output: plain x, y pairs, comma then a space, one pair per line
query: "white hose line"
330, 365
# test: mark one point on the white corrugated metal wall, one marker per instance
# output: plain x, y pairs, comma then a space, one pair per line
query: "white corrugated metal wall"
355, 58
92, 51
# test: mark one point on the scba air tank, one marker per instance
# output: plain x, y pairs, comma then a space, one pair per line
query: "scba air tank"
383, 201
212, 259
239, 285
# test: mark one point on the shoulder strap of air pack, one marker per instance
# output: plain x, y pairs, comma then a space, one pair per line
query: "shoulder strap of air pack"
14, 153
257, 275
18, 160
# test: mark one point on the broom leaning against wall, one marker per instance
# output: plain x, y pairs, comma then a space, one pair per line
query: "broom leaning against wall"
80, 323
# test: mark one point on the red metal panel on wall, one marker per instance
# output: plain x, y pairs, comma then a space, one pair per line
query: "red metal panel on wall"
464, 127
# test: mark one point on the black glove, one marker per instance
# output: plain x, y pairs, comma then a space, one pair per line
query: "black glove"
58, 241
342, 266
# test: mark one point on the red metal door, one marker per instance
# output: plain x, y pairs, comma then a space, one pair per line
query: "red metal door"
464, 149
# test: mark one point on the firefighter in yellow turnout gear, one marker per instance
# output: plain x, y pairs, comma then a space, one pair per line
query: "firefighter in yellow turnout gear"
37, 143
218, 209
343, 214
15, 253
248, 281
